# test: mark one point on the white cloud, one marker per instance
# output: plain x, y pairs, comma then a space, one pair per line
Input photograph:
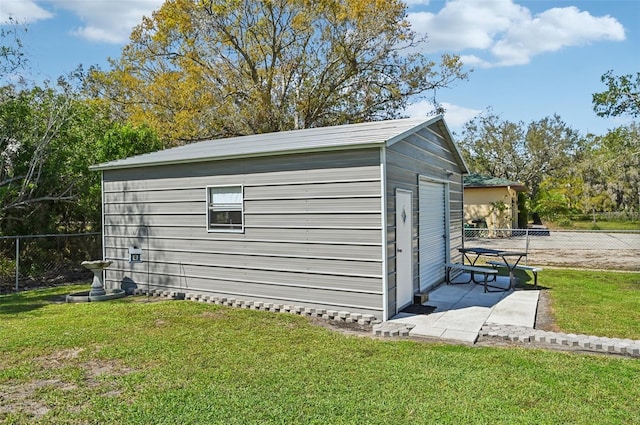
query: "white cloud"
552, 30
99, 34
109, 21
417, 2
474, 61
507, 33
463, 24
22, 11
455, 116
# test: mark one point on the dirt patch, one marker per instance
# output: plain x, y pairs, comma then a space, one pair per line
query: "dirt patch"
343, 327
218, 314
146, 299
544, 313
628, 260
104, 368
24, 398
55, 359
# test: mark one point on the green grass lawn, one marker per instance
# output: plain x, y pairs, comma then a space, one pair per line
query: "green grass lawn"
600, 225
595, 302
177, 362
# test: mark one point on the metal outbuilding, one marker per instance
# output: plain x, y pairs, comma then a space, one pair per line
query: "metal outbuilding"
354, 218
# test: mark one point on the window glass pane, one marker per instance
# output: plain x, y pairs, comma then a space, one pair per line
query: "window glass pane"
225, 208
226, 196
225, 219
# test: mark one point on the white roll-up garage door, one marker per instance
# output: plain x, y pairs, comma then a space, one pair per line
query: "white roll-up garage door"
432, 233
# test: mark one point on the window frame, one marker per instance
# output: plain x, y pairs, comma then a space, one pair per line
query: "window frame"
208, 207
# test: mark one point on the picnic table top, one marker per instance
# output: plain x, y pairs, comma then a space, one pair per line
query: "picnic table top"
492, 252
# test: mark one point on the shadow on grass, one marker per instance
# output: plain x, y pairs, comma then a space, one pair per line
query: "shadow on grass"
524, 280
23, 302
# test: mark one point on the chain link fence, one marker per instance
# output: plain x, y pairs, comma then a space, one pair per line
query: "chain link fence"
46, 260
589, 249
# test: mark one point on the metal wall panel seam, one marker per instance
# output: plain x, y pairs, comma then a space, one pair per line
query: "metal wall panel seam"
277, 198
383, 233
197, 226
438, 147
299, 212
433, 164
273, 269
256, 184
275, 184
305, 242
268, 283
104, 235
441, 150
257, 254
167, 201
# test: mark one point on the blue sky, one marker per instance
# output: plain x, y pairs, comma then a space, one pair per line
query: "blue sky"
530, 59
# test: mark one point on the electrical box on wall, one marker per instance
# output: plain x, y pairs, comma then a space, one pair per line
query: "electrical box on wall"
135, 254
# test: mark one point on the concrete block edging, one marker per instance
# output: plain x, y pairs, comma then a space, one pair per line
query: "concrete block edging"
531, 336
335, 315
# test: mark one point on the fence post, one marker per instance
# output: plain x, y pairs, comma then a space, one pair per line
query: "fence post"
526, 247
17, 261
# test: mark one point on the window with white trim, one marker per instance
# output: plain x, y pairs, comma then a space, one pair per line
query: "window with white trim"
225, 209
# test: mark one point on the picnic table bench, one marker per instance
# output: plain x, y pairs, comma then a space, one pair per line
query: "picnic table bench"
486, 271
533, 269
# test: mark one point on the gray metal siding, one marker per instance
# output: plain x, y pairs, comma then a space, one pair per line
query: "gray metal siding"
425, 153
312, 229
283, 169
312, 236
276, 291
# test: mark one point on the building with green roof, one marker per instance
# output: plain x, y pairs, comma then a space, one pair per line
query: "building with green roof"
491, 202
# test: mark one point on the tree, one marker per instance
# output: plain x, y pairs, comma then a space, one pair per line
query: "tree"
12, 55
551, 204
37, 172
31, 119
622, 96
215, 68
49, 136
29, 122
518, 152
612, 171
118, 141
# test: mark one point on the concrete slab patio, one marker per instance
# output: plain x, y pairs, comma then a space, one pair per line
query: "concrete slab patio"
462, 310
463, 313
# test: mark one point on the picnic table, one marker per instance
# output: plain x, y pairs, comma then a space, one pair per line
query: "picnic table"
510, 259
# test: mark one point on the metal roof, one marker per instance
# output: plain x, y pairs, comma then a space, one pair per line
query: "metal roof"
478, 180
374, 133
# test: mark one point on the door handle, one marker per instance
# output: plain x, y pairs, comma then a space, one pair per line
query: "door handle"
399, 250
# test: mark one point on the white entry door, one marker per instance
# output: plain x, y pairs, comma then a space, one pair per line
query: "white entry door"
432, 233
404, 266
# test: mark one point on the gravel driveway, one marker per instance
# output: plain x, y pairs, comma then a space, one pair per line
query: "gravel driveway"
592, 250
